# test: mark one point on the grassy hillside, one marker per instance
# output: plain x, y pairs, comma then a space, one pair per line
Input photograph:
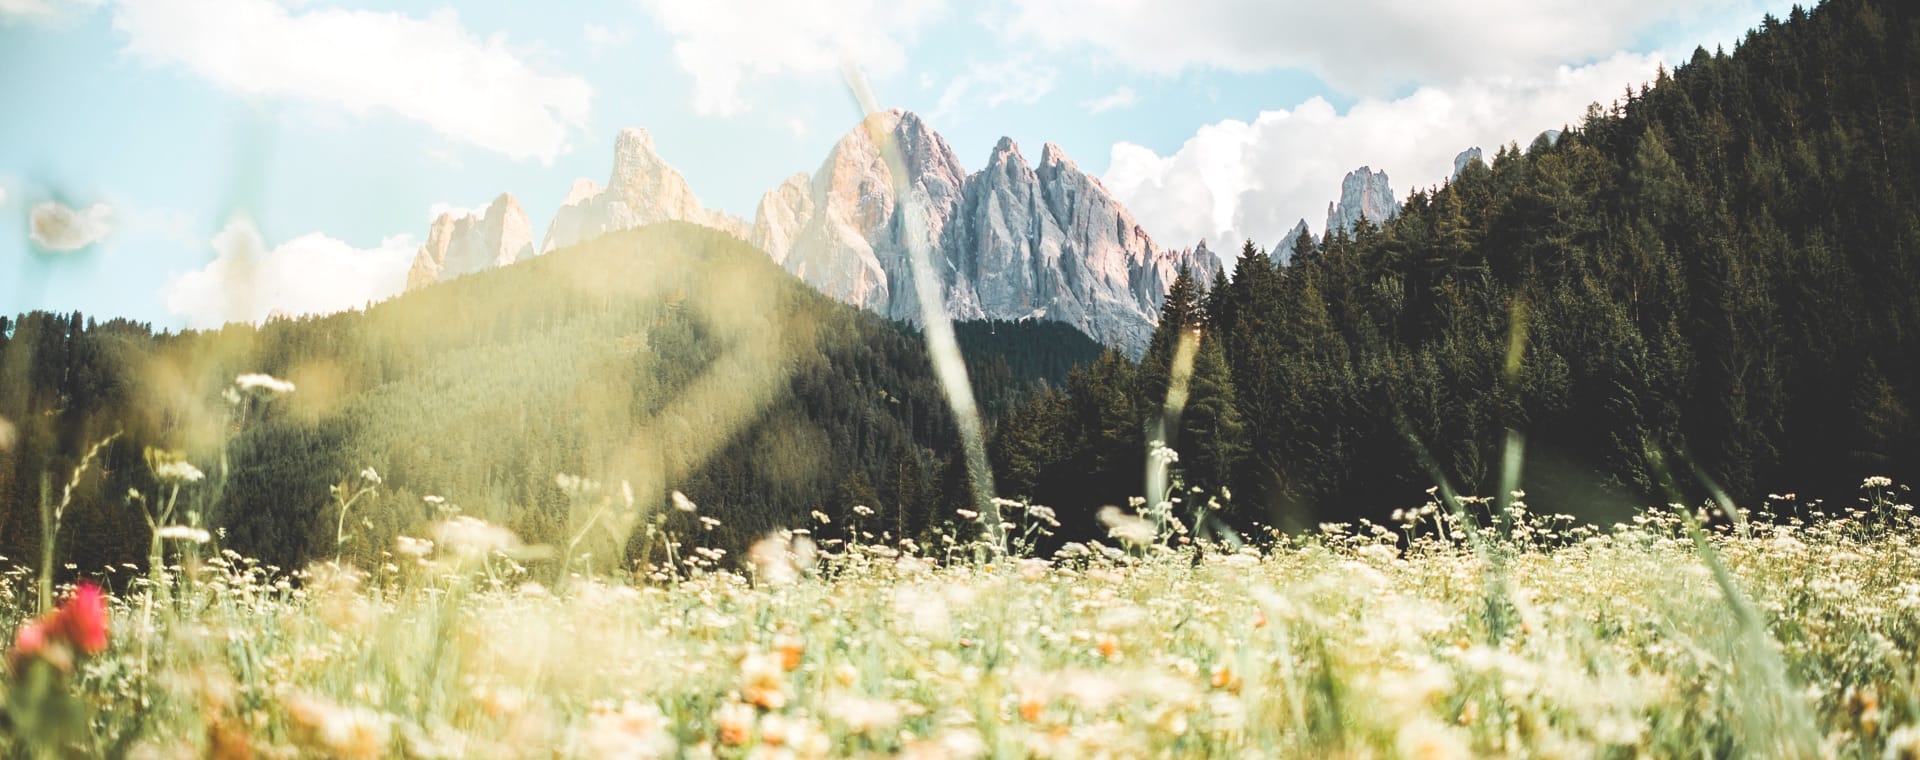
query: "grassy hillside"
671, 358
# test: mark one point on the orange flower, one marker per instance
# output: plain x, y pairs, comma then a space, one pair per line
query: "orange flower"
790, 649
1030, 707
1224, 678
1109, 646
734, 723
763, 681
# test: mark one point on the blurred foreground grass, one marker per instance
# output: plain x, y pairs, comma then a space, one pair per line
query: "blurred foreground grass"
1368, 641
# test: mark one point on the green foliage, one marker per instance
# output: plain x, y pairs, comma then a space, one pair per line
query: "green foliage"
1719, 265
672, 358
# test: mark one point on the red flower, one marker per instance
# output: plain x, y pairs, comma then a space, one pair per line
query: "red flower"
29, 639
83, 619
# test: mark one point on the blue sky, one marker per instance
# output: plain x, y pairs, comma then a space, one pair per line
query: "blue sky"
335, 128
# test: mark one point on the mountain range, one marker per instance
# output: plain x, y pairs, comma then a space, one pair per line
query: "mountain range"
1015, 240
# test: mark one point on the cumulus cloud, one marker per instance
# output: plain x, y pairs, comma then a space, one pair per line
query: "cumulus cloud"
724, 44
1235, 180
431, 70
54, 226
310, 274
1379, 45
600, 38
991, 85
1124, 97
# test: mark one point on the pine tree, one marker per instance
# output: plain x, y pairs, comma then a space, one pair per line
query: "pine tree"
1211, 442
1181, 310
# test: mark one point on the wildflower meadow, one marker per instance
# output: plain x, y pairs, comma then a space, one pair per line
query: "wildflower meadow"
1471, 627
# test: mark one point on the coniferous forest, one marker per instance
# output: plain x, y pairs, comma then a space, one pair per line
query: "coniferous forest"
1708, 283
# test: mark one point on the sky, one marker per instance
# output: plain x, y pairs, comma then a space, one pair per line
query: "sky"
154, 151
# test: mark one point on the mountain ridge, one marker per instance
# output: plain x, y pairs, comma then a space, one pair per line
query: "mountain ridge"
1013, 240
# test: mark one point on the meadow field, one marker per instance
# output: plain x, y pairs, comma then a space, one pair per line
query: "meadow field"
1786, 633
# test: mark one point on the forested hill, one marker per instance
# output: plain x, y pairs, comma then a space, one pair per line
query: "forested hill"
1720, 267
672, 357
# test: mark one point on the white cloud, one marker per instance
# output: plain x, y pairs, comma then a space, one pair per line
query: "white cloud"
991, 85
310, 274
724, 44
431, 70
3, 195
1124, 97
1233, 180
600, 39
54, 226
1376, 45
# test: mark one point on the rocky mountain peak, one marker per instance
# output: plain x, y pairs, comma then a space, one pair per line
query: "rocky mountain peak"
1051, 154
460, 244
633, 139
641, 189
1363, 192
1011, 241
1284, 251
782, 213
1466, 158
582, 190
1006, 151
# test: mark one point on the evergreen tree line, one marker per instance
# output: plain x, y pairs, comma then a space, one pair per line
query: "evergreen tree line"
672, 358
1708, 283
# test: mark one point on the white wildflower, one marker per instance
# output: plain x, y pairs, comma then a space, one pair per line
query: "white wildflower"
635, 730
682, 503
177, 471
183, 533
574, 485
1130, 529
864, 715
254, 381
473, 537
408, 546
